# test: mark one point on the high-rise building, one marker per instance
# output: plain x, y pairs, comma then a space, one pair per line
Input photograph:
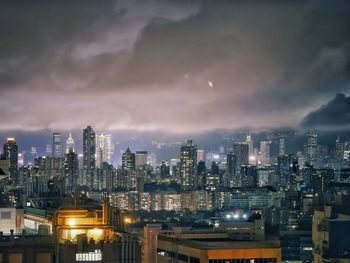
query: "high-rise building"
104, 149
339, 149
249, 141
140, 158
188, 166
264, 152
56, 145
241, 150
282, 146
71, 171
10, 153
231, 170
89, 151
70, 143
311, 146
200, 155
128, 169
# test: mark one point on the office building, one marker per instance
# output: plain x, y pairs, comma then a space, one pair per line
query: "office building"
140, 158
188, 166
264, 152
104, 149
56, 145
89, 151
241, 151
10, 153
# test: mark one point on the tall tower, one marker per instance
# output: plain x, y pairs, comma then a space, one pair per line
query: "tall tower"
56, 145
70, 171
128, 169
282, 147
241, 150
104, 149
231, 171
89, 151
188, 166
265, 152
311, 146
10, 152
70, 143
249, 141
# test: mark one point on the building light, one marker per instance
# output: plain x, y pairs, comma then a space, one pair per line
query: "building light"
72, 222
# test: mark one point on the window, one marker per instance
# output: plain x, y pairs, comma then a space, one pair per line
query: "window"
5, 215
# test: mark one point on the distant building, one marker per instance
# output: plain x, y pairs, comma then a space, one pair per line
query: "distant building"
56, 145
10, 153
140, 158
104, 149
241, 151
188, 166
89, 161
264, 152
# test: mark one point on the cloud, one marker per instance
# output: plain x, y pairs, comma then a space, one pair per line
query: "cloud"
335, 115
145, 65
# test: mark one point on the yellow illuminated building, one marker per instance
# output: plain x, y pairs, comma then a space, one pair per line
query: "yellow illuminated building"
72, 223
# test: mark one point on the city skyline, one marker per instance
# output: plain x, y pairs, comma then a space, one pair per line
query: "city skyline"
180, 67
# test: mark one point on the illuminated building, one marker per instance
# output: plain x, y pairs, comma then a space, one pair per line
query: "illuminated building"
104, 149
70, 143
264, 152
128, 169
282, 146
230, 179
200, 155
56, 145
171, 201
213, 248
188, 165
70, 171
140, 158
89, 151
10, 153
89, 234
311, 146
249, 142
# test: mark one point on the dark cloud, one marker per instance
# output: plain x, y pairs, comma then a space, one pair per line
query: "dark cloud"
145, 65
335, 115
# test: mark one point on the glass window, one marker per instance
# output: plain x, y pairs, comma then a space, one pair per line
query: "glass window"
5, 215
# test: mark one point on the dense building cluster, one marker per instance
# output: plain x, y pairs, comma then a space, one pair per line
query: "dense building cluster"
245, 192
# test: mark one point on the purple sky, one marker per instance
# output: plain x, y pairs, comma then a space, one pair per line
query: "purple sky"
146, 65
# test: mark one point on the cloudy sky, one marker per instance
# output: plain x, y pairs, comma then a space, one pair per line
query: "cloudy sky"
146, 64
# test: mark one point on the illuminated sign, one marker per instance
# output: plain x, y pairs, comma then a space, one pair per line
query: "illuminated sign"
90, 256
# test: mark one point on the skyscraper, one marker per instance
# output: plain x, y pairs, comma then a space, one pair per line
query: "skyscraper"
104, 149
70, 171
249, 141
241, 150
264, 152
70, 143
128, 169
56, 145
89, 151
231, 171
140, 158
311, 146
282, 146
10, 153
188, 166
